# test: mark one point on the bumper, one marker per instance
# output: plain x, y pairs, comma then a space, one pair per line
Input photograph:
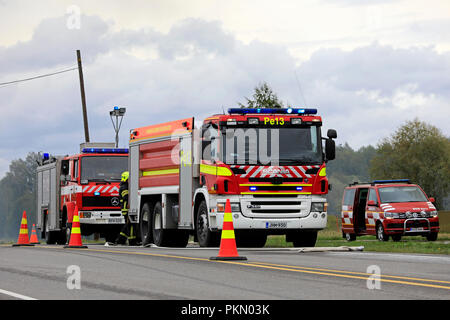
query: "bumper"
273, 218
414, 226
101, 217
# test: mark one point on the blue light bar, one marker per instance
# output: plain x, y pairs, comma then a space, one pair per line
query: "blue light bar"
299, 188
392, 181
45, 156
104, 150
253, 188
271, 111
96, 193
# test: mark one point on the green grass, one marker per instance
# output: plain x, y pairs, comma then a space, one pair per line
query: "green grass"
332, 237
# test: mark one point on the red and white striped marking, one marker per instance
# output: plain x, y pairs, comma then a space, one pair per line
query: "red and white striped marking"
275, 171
101, 189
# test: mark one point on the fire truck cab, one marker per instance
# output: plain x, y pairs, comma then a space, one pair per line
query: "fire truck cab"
388, 208
270, 164
89, 181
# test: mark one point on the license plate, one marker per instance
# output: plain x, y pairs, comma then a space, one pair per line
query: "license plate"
276, 224
100, 220
115, 220
416, 229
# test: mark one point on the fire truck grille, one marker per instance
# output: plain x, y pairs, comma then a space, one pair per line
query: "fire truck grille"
101, 202
269, 207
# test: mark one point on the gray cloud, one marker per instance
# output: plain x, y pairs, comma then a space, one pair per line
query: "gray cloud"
196, 69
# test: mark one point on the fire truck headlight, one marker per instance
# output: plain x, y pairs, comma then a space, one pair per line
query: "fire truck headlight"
433, 213
235, 207
317, 207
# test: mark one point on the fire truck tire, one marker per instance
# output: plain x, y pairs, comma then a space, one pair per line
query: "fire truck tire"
305, 239
205, 237
432, 236
381, 235
145, 226
50, 236
161, 237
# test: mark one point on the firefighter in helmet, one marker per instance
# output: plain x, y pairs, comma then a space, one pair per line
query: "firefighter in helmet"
127, 232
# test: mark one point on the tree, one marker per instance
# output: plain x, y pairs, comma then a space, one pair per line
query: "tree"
17, 191
417, 151
264, 97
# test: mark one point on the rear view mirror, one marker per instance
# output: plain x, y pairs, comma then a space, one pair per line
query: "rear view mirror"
332, 134
371, 203
330, 149
64, 167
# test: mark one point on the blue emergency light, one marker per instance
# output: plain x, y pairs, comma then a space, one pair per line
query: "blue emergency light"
271, 111
392, 181
45, 156
104, 150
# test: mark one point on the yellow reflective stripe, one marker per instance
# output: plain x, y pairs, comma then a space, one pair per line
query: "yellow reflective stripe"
23, 231
124, 192
227, 217
219, 171
323, 172
76, 218
160, 172
24, 221
75, 230
227, 234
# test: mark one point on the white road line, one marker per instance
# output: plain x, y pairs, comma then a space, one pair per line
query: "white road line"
16, 295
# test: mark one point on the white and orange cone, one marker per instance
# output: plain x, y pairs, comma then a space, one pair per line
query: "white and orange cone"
23, 239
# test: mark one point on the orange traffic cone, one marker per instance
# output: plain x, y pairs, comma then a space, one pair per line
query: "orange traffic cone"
228, 250
75, 233
23, 233
34, 239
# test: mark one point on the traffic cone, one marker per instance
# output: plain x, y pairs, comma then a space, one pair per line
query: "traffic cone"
228, 249
34, 238
23, 233
75, 233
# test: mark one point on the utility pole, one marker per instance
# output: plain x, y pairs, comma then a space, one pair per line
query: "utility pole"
83, 97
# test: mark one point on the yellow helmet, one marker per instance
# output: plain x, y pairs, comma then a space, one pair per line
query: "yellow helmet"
125, 176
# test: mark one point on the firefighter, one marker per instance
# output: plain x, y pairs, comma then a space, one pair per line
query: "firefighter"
127, 232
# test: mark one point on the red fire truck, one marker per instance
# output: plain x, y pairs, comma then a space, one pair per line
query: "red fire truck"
270, 163
90, 180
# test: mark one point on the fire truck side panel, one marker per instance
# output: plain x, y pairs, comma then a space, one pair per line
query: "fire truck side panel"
48, 191
186, 182
133, 182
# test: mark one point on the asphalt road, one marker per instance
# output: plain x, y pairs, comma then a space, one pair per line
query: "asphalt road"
47, 272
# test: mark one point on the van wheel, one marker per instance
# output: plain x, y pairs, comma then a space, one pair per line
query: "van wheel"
432, 236
205, 237
145, 225
350, 236
381, 235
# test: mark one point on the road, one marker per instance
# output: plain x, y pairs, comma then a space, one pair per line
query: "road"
44, 272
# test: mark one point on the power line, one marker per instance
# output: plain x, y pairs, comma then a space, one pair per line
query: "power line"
4, 84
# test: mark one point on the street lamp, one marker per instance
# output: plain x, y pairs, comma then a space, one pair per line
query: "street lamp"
117, 113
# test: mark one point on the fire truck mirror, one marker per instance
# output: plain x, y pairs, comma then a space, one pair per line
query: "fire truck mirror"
65, 167
330, 149
332, 134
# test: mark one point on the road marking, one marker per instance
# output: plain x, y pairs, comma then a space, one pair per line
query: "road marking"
16, 295
299, 269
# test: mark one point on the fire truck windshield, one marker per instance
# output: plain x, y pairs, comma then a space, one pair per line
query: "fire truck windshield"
401, 194
103, 168
272, 146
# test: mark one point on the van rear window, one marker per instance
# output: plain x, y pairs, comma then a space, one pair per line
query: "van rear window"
349, 197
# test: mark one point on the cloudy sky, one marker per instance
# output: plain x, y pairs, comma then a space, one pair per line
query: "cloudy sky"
367, 65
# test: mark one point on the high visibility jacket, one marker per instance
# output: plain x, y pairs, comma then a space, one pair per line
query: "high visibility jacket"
123, 196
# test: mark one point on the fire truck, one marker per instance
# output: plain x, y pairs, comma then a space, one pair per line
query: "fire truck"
270, 164
88, 180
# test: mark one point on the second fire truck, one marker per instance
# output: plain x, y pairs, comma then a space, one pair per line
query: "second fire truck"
88, 180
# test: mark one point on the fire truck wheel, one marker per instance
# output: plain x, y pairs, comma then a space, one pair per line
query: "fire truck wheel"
381, 235
161, 237
305, 239
50, 237
432, 236
206, 238
145, 225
